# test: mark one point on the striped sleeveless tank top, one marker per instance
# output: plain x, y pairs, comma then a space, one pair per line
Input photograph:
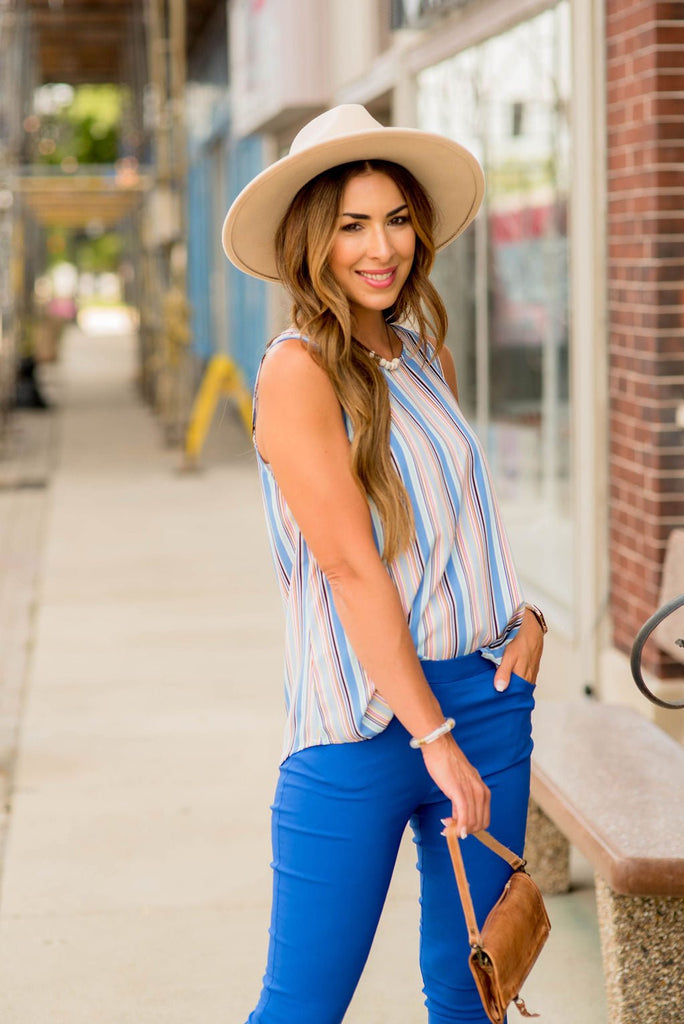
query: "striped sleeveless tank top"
456, 582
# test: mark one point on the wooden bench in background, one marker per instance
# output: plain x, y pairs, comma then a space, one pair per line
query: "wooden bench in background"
609, 782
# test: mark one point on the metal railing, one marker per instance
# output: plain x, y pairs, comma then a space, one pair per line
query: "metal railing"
638, 647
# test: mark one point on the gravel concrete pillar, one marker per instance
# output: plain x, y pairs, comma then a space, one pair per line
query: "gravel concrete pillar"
547, 852
643, 956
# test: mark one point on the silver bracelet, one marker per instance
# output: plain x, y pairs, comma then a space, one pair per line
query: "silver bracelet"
441, 730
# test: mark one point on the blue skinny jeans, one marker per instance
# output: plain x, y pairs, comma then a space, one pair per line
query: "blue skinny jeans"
338, 818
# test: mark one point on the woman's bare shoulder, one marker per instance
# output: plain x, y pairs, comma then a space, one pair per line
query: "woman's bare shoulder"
295, 398
289, 363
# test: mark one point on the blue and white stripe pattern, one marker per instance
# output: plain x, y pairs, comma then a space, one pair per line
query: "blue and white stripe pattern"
456, 581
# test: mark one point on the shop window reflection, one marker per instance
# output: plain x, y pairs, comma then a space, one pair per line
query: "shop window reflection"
506, 281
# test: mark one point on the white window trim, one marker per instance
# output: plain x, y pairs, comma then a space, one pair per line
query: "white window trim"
588, 373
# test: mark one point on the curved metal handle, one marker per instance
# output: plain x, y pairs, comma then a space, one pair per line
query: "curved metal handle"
638, 646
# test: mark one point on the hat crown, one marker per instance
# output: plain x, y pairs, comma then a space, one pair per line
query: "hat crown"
346, 119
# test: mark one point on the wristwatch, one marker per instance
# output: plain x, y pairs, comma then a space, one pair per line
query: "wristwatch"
539, 616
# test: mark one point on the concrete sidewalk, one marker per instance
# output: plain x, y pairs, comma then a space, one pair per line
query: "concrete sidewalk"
136, 883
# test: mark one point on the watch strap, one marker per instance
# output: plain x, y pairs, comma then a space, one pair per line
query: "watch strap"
539, 616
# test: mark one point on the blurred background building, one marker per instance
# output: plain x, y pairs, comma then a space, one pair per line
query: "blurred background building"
126, 128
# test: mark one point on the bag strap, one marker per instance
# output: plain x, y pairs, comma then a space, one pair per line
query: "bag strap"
513, 859
462, 879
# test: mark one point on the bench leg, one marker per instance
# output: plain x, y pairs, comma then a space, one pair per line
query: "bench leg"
547, 852
643, 956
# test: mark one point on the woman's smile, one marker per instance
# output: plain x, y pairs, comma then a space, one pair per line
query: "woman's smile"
379, 278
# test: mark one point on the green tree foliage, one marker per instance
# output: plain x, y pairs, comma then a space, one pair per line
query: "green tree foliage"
99, 254
81, 133
88, 129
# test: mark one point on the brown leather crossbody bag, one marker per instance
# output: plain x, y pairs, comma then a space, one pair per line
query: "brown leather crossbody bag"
504, 951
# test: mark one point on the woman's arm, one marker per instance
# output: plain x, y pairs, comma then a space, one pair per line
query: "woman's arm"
300, 432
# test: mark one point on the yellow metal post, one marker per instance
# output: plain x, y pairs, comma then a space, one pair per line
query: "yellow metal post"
221, 378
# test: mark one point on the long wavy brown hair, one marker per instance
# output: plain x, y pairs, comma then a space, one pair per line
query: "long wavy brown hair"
320, 310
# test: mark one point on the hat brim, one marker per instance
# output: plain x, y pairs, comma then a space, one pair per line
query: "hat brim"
448, 172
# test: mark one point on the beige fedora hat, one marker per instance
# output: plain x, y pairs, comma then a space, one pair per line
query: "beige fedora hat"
448, 172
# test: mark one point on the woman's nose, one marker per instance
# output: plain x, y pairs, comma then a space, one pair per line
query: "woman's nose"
379, 244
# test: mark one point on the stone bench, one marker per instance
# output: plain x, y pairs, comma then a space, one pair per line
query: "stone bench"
611, 783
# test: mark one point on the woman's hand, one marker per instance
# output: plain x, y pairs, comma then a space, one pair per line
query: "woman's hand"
523, 653
460, 782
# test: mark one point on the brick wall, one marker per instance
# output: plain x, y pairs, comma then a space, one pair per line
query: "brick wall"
645, 230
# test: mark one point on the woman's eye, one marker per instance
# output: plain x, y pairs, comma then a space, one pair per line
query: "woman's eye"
399, 220
353, 226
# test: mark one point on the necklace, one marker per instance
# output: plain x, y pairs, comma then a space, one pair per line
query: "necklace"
387, 364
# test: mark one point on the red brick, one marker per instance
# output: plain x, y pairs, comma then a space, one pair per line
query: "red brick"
626, 474
633, 583
663, 176
667, 392
633, 605
640, 37
671, 129
672, 344
669, 105
628, 614
670, 222
664, 505
619, 160
669, 34
665, 151
634, 523
667, 11
671, 271
669, 80
625, 18
637, 181
637, 578
631, 577
668, 248
645, 310
629, 248
670, 367
621, 91
645, 61
647, 293
655, 550
672, 483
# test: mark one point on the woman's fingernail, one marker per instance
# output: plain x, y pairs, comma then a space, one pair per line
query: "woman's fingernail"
443, 832
464, 833
500, 685
446, 821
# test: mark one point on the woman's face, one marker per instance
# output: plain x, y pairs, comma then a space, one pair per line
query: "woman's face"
374, 242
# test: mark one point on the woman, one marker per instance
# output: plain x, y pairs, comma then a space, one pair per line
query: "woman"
410, 654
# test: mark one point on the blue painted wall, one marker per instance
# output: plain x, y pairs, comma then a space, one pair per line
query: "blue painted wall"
212, 156
199, 241
247, 298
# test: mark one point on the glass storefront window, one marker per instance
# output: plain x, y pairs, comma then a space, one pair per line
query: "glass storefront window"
505, 282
